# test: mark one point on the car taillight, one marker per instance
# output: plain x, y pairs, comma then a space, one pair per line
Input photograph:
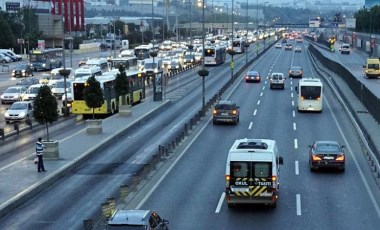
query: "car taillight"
215, 111
291, 71
234, 112
340, 158
302, 98
318, 98
300, 71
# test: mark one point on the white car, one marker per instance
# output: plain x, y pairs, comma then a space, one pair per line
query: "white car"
32, 92
20, 110
59, 87
13, 94
69, 98
278, 45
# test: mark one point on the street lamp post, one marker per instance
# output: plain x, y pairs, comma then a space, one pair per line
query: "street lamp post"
370, 33
246, 35
203, 72
232, 41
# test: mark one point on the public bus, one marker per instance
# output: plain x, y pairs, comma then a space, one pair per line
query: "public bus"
238, 46
46, 59
310, 94
315, 22
214, 55
129, 63
142, 51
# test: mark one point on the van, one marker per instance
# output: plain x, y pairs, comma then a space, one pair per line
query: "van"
87, 71
153, 67
345, 49
372, 68
56, 76
101, 62
253, 172
59, 87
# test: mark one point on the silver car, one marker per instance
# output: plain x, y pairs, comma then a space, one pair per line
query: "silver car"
12, 94
21, 110
136, 219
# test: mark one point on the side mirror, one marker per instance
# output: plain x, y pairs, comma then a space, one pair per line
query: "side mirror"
343, 146
310, 146
296, 89
281, 161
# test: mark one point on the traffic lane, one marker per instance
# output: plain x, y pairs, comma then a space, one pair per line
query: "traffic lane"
354, 63
101, 168
289, 197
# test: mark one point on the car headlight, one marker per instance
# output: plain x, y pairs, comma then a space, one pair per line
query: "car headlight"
6, 114
22, 114
156, 70
23, 71
43, 65
13, 71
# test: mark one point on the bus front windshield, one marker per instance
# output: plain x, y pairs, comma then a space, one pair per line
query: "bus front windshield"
37, 58
311, 92
209, 52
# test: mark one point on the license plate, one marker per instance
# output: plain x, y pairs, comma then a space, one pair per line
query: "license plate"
240, 189
328, 158
224, 114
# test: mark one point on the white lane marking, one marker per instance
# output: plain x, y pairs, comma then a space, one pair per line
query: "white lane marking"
250, 125
261, 94
265, 83
295, 143
294, 126
258, 102
263, 87
376, 206
291, 95
254, 113
220, 203
297, 168
292, 103
294, 113
291, 82
298, 204
291, 87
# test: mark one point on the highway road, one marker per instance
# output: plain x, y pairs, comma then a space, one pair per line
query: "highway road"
190, 194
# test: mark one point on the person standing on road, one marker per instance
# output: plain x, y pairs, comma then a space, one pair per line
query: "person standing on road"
40, 152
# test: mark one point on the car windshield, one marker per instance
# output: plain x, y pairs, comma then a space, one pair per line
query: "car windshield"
61, 84
150, 65
21, 66
34, 90
225, 106
327, 148
13, 90
296, 68
19, 106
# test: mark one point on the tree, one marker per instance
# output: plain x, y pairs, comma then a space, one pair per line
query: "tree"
93, 94
45, 108
121, 84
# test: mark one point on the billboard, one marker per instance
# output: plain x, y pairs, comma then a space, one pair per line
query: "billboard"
351, 23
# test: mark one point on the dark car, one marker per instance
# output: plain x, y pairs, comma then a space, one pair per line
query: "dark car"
136, 219
326, 154
28, 81
295, 71
226, 111
252, 76
22, 70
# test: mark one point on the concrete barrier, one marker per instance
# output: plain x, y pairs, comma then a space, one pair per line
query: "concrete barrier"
94, 127
51, 150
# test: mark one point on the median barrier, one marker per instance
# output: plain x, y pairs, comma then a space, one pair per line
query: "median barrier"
4, 66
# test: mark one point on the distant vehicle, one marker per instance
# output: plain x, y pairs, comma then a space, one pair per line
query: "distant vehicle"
127, 53
277, 80
32, 92
288, 46
87, 71
299, 39
372, 68
326, 154
345, 49
226, 111
21, 110
252, 76
136, 219
278, 45
174, 65
298, 49
13, 94
310, 94
253, 172
100, 62
10, 52
4, 58
166, 45
59, 87
56, 76
22, 70
28, 81
214, 55
143, 51
239, 45
46, 59
295, 71
153, 66
82, 61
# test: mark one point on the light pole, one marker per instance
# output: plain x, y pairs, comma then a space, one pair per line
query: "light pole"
114, 39
203, 72
370, 33
232, 41
246, 35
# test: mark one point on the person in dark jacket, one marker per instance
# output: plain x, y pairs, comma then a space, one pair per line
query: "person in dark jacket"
40, 152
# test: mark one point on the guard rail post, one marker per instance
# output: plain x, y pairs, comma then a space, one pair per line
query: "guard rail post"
2, 134
16, 127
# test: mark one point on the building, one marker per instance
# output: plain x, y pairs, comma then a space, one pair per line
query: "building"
73, 15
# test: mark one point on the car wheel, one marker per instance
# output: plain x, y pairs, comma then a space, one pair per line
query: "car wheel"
6, 121
3, 61
229, 205
342, 170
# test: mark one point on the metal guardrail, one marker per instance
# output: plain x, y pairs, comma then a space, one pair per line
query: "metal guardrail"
4, 66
